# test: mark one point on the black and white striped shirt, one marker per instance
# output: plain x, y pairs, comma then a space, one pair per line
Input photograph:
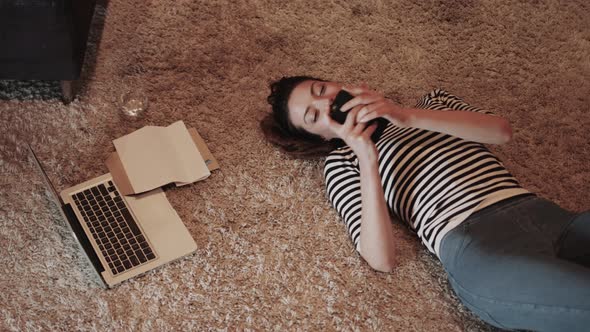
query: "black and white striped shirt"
431, 181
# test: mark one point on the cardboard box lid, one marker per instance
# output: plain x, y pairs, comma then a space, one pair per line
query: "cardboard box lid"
152, 157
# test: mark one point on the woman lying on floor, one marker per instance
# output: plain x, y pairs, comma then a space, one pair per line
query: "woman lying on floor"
516, 260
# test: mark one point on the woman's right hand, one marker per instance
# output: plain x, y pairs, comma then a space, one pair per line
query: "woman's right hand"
357, 135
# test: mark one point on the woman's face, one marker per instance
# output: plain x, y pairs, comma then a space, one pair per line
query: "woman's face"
309, 106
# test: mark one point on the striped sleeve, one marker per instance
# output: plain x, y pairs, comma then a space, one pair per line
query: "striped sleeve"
439, 99
343, 186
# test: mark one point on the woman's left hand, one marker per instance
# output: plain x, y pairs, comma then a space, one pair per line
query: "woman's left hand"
375, 106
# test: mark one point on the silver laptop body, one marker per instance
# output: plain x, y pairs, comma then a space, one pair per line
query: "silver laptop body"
122, 236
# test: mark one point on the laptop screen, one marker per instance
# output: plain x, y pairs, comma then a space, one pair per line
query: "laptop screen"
54, 197
48, 185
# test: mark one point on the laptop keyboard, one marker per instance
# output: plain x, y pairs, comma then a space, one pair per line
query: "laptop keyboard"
120, 240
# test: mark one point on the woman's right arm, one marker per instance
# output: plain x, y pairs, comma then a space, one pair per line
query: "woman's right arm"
376, 235
376, 242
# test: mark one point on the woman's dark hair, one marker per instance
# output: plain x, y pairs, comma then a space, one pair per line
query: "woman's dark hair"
280, 131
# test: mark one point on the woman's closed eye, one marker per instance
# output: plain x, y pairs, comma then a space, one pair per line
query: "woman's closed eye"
313, 115
319, 89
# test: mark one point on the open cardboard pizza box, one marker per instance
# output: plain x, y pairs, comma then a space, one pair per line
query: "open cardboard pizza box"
152, 157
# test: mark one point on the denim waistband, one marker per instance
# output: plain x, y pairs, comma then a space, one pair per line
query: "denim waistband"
455, 235
499, 206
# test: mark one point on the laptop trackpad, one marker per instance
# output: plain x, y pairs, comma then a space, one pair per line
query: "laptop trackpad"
164, 228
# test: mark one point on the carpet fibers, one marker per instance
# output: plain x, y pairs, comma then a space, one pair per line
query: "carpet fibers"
272, 254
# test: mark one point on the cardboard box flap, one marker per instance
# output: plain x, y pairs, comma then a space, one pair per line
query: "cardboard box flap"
118, 173
152, 157
210, 160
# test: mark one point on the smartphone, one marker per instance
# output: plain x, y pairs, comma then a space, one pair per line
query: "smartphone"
341, 98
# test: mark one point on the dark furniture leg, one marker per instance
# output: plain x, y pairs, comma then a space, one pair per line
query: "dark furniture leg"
67, 91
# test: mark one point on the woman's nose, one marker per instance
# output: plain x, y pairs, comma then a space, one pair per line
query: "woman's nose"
323, 104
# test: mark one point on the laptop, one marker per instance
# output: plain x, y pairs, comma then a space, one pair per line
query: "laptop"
122, 236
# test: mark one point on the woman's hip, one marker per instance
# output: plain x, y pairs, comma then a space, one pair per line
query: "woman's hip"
502, 264
518, 225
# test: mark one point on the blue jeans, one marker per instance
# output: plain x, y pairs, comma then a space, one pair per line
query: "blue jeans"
522, 263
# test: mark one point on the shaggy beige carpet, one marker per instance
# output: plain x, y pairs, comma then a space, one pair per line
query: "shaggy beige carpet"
272, 254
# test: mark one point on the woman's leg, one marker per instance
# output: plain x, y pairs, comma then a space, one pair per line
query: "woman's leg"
502, 265
574, 242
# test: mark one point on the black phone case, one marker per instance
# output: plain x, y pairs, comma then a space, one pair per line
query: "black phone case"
341, 98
